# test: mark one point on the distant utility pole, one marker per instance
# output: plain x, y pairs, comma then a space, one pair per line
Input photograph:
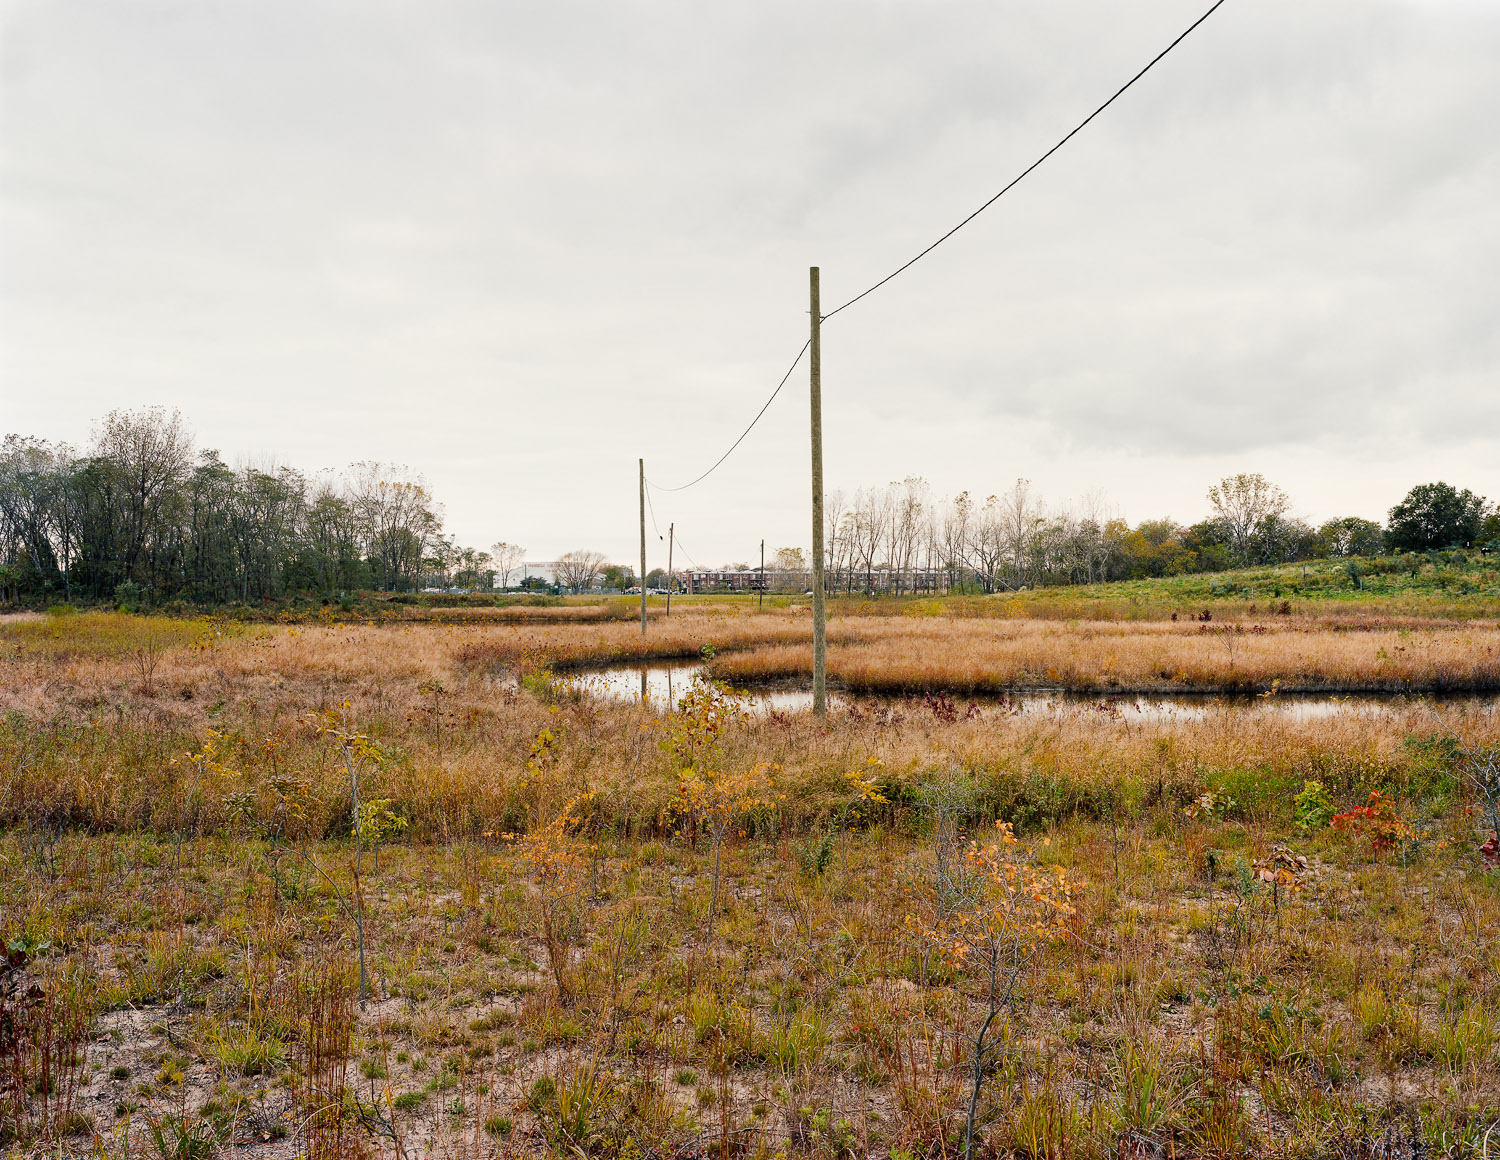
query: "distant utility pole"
761, 606
643, 553
671, 536
820, 627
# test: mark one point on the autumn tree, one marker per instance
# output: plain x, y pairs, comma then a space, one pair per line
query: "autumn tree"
555, 860
1241, 503
397, 519
693, 736
1009, 909
791, 568
954, 537
1155, 548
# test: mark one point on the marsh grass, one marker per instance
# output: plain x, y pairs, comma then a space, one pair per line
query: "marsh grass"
98, 635
903, 656
1190, 1007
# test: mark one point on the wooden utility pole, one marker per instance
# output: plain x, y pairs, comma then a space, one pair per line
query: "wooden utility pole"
643, 558
671, 536
761, 606
820, 628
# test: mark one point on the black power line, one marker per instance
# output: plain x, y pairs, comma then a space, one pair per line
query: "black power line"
913, 261
689, 556
650, 507
747, 430
1017, 180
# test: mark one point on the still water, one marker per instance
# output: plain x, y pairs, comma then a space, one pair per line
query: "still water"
662, 684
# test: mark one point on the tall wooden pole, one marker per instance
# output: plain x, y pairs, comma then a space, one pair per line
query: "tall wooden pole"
643, 553
671, 537
820, 627
761, 603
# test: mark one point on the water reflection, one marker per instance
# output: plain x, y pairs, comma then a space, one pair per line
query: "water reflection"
662, 684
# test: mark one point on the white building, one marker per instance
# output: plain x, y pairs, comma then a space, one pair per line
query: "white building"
544, 570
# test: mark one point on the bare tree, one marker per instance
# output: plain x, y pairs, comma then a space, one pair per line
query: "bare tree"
957, 526
834, 511
911, 512
1020, 516
580, 570
987, 544
1241, 502
870, 522
399, 520
507, 558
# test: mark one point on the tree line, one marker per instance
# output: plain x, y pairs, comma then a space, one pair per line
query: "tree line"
1015, 539
902, 538
141, 515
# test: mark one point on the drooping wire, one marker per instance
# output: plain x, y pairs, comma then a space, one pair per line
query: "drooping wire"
1035, 164
747, 430
650, 507
688, 554
922, 254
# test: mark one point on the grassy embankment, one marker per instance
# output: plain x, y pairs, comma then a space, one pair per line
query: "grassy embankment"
1453, 585
577, 989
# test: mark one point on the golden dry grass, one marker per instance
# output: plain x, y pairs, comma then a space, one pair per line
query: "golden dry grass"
901, 654
464, 729
893, 655
681, 635
615, 610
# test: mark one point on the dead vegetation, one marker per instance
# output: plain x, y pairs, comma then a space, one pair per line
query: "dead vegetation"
603, 931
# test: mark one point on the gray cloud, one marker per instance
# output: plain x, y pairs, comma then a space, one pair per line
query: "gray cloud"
519, 245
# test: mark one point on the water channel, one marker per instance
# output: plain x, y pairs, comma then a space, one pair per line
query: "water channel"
663, 684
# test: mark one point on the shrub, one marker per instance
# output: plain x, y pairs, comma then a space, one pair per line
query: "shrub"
129, 596
1376, 820
1313, 808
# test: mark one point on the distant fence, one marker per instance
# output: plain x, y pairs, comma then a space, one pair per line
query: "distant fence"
865, 580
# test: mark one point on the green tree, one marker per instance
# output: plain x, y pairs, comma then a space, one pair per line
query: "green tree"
1489, 530
1209, 542
1350, 536
1278, 539
620, 576
1436, 515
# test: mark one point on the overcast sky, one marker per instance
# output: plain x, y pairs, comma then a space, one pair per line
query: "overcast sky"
516, 246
